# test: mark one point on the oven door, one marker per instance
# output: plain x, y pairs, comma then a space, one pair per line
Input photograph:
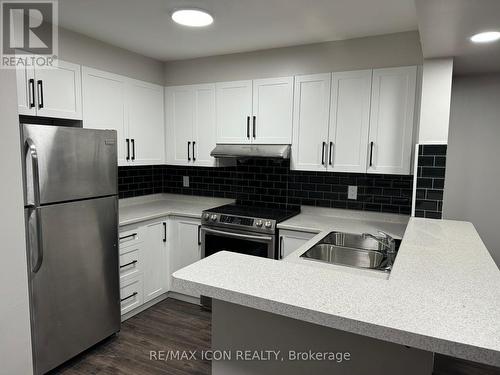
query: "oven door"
237, 241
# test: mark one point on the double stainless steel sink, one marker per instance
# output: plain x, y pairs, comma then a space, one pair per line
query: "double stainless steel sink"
354, 250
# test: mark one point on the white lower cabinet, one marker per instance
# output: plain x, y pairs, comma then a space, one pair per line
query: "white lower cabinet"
131, 294
155, 260
150, 252
144, 268
130, 262
184, 245
291, 240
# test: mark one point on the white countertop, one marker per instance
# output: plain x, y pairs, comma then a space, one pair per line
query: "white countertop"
134, 210
443, 294
317, 219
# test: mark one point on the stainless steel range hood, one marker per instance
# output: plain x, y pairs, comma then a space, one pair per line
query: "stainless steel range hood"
251, 151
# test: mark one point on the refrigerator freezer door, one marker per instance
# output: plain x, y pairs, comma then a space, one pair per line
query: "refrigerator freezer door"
75, 298
73, 163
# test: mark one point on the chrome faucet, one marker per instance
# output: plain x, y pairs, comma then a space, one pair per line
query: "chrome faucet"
389, 245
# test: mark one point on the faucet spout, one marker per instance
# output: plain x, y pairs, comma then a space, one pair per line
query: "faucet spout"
389, 245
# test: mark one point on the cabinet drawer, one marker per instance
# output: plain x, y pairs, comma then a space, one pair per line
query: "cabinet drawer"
131, 294
130, 262
130, 237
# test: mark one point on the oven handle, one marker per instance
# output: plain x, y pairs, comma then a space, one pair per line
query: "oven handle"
236, 235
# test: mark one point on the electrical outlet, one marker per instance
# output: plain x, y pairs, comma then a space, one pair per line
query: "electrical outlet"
185, 181
352, 192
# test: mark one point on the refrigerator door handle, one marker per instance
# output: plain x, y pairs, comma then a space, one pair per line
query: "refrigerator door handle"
35, 177
35, 206
39, 239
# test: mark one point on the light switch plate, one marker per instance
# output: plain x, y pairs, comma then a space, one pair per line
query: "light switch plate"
352, 192
185, 181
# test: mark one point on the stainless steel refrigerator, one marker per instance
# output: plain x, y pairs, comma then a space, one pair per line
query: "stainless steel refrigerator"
71, 210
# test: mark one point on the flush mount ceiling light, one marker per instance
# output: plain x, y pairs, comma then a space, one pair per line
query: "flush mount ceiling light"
192, 17
485, 37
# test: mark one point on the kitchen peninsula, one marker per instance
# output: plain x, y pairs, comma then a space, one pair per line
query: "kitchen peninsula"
442, 296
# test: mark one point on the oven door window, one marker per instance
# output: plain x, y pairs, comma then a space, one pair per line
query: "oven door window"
215, 243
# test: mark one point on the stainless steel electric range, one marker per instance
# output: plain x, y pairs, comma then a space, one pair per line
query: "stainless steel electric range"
242, 229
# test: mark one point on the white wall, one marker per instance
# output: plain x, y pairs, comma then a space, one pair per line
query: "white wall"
372, 52
435, 103
80, 49
472, 178
15, 339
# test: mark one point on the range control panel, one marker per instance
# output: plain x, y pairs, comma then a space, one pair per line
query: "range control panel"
255, 224
238, 220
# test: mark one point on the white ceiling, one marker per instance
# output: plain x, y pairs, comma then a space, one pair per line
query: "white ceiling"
445, 27
145, 27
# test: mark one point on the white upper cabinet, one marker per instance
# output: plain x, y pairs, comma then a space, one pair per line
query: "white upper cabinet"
234, 111
179, 112
363, 125
310, 122
26, 97
133, 108
204, 125
349, 121
272, 111
50, 92
190, 124
105, 106
258, 111
391, 120
146, 122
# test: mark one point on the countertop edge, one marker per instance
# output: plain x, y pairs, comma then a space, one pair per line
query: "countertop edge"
156, 216
397, 336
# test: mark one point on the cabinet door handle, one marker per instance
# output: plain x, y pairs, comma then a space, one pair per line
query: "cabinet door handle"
133, 149
31, 92
371, 154
281, 247
194, 155
199, 235
128, 264
39, 84
254, 120
248, 127
126, 298
128, 149
323, 153
164, 232
189, 146
331, 152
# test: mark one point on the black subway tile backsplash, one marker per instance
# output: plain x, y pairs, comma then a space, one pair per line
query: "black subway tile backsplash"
272, 183
430, 181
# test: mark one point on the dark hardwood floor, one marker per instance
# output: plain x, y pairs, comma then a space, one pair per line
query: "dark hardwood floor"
175, 325
169, 325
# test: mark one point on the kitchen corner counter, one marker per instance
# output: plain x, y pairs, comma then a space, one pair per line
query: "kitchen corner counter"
443, 294
134, 210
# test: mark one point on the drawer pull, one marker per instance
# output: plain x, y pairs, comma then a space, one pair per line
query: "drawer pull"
129, 264
126, 298
129, 236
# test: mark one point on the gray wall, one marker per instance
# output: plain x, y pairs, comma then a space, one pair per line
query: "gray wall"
80, 49
472, 183
15, 339
372, 52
